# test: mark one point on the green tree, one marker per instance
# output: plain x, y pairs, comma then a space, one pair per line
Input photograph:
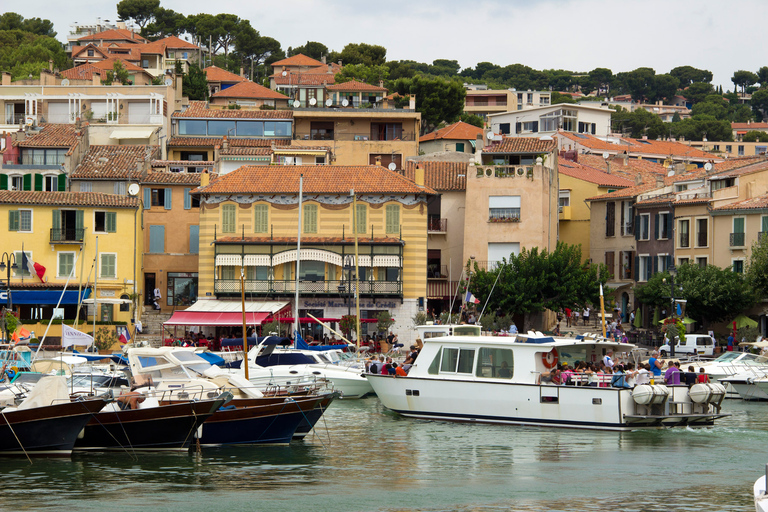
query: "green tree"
310, 49
757, 267
362, 53
755, 136
556, 98
24, 53
688, 75
140, 11
714, 294
759, 103
762, 76
697, 92
254, 50
445, 67
166, 22
638, 123
696, 128
437, 99
473, 119
716, 109
118, 73
195, 84
14, 21
664, 87
217, 31
601, 78
361, 72
399, 69
744, 79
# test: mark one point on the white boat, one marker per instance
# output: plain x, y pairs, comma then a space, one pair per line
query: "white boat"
761, 498
731, 364
745, 383
491, 379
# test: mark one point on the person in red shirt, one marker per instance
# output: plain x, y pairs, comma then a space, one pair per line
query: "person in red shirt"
399, 372
703, 377
567, 317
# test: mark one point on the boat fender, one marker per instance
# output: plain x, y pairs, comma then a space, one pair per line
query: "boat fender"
550, 358
705, 393
11, 372
646, 394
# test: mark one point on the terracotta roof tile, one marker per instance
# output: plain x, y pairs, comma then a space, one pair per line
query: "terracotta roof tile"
521, 145
171, 178
755, 203
216, 74
592, 175
316, 79
308, 240
199, 109
648, 186
51, 136
175, 42
455, 131
298, 60
735, 163
355, 85
68, 199
251, 90
233, 142
77, 50
758, 165
441, 176
112, 162
658, 148
318, 179
115, 35
245, 151
592, 142
192, 163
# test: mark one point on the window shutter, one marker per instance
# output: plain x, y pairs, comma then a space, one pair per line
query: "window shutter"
393, 219
535, 126
518, 127
3, 182
261, 222
310, 218
38, 182
167, 199
194, 239
62, 182
361, 218
187, 199
655, 265
581, 127
670, 261
622, 229
637, 268
594, 128
147, 198
656, 226
764, 224
13, 220
27, 182
157, 239
111, 222
56, 220
670, 226
79, 219
637, 227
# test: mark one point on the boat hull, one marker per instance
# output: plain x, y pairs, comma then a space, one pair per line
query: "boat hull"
581, 407
312, 417
45, 431
169, 427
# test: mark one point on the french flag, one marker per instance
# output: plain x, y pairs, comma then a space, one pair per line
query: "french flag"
471, 298
125, 337
35, 269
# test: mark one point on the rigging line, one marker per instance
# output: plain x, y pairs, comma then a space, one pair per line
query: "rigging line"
17, 437
131, 453
311, 425
453, 298
491, 292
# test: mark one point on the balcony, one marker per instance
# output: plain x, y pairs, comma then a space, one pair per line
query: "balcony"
358, 137
504, 171
737, 239
564, 213
67, 236
14, 118
504, 215
436, 225
437, 271
277, 287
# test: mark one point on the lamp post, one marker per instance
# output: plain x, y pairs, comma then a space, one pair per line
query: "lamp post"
672, 297
7, 257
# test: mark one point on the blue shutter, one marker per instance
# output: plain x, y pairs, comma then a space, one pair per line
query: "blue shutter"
637, 227
167, 199
187, 199
656, 226
147, 198
194, 239
157, 239
637, 268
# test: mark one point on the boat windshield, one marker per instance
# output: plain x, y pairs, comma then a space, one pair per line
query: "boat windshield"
753, 359
192, 361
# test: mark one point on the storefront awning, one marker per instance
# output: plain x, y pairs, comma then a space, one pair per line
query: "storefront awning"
41, 297
308, 320
212, 312
132, 133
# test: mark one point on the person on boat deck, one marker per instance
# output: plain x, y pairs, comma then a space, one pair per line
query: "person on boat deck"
552, 377
130, 400
566, 374
630, 375
619, 379
655, 363
399, 371
672, 375
643, 376
513, 328
703, 377
556, 330
690, 377
607, 361
504, 372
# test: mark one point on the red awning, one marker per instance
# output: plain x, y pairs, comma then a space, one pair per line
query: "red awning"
214, 318
741, 133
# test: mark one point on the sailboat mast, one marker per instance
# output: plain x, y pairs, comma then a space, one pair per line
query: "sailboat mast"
245, 332
95, 281
298, 261
357, 272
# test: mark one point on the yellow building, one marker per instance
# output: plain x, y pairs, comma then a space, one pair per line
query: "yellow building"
249, 218
60, 232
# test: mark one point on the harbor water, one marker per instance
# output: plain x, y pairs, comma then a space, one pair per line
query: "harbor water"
366, 458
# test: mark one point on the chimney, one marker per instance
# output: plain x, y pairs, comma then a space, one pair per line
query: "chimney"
242, 72
381, 83
322, 59
96, 78
330, 68
205, 178
340, 64
638, 179
659, 181
224, 143
412, 101
419, 176
625, 157
50, 65
6, 78
378, 161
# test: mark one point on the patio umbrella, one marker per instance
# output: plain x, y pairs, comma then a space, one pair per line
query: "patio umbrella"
638, 318
688, 320
744, 321
655, 315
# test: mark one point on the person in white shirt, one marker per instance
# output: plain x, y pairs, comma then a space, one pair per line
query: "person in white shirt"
607, 361
643, 376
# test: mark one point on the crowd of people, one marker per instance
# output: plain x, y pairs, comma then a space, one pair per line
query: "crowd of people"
386, 366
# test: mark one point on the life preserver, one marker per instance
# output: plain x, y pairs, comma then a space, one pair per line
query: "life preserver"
550, 358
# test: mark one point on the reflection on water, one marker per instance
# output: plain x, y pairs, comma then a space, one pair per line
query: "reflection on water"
372, 459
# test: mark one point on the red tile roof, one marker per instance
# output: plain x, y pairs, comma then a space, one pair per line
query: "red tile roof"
755, 203
441, 176
117, 34
307, 240
68, 199
245, 152
249, 90
216, 74
521, 145
318, 179
233, 142
171, 178
199, 109
77, 50
455, 131
737, 162
657, 148
749, 126
297, 79
646, 169
112, 162
298, 60
174, 42
648, 186
355, 85
51, 136
600, 178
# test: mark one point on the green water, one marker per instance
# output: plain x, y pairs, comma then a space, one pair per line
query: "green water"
370, 459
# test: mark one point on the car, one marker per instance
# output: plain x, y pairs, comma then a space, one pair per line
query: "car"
694, 344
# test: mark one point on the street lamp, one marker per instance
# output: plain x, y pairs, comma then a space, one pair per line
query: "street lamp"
7, 257
672, 297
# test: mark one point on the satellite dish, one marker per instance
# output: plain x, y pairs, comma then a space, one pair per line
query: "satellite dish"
168, 81
285, 73
344, 102
29, 120
708, 166
671, 173
133, 189
392, 166
328, 102
65, 81
296, 104
605, 155
490, 135
312, 101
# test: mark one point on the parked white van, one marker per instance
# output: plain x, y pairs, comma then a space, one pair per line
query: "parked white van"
694, 344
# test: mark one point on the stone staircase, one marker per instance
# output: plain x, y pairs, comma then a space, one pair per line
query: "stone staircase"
152, 325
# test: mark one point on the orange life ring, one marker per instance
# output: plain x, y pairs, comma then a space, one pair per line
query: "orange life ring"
550, 358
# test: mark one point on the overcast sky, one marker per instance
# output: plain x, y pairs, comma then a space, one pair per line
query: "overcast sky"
577, 35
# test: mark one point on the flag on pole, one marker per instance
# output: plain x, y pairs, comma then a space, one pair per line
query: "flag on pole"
71, 336
35, 269
125, 336
471, 298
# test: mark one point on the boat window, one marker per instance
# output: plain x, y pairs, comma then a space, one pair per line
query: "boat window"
434, 367
456, 360
466, 360
495, 363
434, 334
149, 362
467, 330
450, 358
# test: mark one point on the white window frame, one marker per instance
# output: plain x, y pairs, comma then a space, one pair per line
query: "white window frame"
647, 217
661, 262
58, 263
31, 220
683, 260
696, 223
564, 194
105, 221
663, 224
20, 269
12, 178
644, 269
743, 264
55, 178
697, 258
680, 231
86, 186
101, 261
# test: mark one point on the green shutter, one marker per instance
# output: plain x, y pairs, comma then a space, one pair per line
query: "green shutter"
187, 199
194, 240
13, 220
764, 230
62, 184
27, 182
38, 182
310, 218
393, 219
167, 199
261, 222
79, 214
361, 220
147, 198
56, 220
738, 225
111, 222
228, 218
3, 182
